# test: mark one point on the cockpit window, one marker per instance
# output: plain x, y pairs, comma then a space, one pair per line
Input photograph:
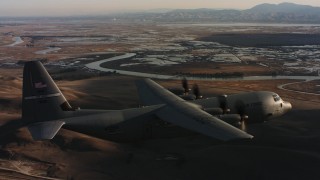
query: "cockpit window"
276, 97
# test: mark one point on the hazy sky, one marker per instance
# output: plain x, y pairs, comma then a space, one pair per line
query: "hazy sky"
92, 7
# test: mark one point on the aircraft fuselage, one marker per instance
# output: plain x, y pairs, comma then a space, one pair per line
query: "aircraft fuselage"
259, 106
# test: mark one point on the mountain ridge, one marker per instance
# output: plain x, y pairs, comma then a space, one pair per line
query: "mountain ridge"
262, 13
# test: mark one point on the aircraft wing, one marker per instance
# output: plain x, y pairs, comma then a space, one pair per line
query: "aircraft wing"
185, 114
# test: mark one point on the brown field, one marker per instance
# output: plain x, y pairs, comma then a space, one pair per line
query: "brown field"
194, 68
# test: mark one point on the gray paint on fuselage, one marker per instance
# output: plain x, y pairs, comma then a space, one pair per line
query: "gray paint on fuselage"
260, 106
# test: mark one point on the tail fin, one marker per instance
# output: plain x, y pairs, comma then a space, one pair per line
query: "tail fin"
42, 101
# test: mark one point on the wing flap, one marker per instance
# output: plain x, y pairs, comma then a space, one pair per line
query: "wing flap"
45, 130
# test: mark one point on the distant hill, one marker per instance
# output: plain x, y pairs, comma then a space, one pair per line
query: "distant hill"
264, 13
284, 12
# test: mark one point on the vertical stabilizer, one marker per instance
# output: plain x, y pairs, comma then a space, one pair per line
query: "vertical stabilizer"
42, 99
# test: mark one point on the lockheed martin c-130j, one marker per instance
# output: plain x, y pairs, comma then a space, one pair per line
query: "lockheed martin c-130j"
45, 110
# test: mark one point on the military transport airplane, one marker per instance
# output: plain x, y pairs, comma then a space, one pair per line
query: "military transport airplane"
45, 110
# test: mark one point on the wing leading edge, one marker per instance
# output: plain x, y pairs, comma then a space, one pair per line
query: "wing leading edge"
182, 113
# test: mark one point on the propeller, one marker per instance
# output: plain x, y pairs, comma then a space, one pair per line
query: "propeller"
196, 91
223, 103
243, 126
185, 85
241, 110
195, 88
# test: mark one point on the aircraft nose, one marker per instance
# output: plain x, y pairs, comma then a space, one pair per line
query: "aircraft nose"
287, 106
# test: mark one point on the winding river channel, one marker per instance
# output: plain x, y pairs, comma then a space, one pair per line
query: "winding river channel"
17, 40
97, 66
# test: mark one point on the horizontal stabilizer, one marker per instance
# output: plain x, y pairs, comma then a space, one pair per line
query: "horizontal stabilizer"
45, 130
